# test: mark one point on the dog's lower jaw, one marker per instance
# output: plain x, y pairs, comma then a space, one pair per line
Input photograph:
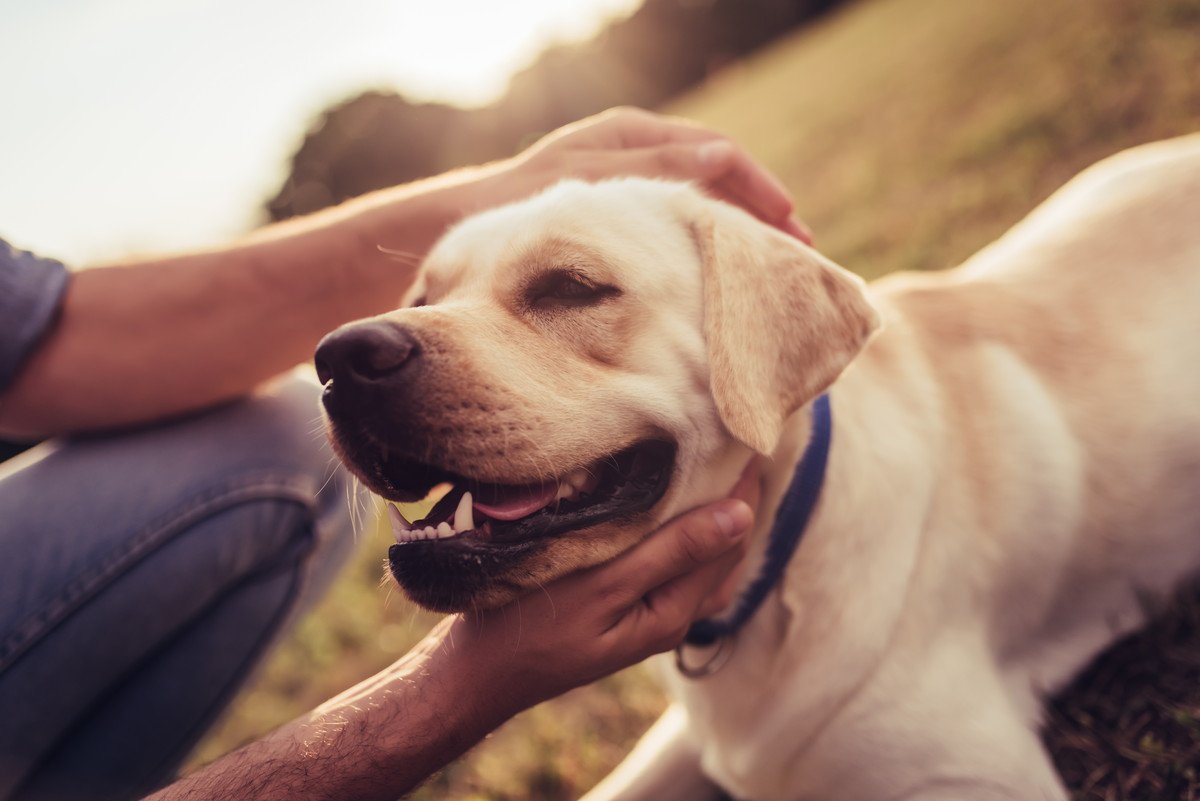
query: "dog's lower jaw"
456, 576
460, 577
463, 575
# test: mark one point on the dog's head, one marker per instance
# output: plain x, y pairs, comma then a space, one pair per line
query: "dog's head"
585, 365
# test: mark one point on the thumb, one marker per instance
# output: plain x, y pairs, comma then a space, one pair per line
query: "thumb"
696, 552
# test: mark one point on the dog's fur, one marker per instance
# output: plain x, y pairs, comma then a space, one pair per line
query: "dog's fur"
1013, 477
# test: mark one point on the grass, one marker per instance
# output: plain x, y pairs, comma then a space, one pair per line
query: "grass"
912, 132
1129, 728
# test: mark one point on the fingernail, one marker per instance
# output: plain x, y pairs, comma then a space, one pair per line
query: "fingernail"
733, 520
798, 229
711, 154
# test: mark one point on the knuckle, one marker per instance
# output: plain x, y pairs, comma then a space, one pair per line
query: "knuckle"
674, 159
693, 544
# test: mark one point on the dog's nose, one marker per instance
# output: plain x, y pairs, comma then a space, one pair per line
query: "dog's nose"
364, 353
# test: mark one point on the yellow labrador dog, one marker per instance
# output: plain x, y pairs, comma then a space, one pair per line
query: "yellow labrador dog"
1014, 470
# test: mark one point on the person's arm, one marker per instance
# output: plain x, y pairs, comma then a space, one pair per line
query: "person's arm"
142, 341
383, 737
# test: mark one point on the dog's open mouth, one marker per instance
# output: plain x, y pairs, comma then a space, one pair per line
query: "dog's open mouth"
616, 486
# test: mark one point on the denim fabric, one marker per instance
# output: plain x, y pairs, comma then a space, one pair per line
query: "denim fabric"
31, 290
143, 575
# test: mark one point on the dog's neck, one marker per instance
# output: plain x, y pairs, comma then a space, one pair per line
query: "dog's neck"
784, 534
828, 624
849, 526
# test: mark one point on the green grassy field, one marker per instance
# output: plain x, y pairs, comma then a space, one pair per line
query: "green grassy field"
911, 132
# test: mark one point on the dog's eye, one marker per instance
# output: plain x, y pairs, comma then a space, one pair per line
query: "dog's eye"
566, 288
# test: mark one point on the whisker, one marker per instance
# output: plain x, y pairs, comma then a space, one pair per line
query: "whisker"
403, 256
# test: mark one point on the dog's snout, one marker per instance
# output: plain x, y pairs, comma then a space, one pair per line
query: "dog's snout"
364, 353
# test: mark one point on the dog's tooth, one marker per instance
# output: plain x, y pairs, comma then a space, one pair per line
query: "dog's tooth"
578, 479
464, 515
399, 523
401, 529
430, 533
444, 530
564, 491
404, 535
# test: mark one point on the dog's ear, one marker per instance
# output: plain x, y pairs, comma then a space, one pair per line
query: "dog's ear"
781, 322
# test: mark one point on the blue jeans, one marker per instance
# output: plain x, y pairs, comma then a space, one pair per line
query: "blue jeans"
143, 575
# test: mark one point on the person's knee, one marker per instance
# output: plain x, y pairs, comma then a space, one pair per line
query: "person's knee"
260, 464
280, 426
286, 424
278, 431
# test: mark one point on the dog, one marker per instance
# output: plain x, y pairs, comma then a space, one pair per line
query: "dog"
1011, 482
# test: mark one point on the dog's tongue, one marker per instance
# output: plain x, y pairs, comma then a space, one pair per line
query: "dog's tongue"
501, 502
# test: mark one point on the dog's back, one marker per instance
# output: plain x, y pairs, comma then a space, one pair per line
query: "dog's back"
1077, 339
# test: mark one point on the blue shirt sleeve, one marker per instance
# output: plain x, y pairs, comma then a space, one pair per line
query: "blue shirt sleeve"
31, 291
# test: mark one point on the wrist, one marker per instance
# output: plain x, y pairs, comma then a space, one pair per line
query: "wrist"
495, 665
409, 219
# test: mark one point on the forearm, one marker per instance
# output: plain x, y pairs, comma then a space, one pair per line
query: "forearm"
147, 340
378, 740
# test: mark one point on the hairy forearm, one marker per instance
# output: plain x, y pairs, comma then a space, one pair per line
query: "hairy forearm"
377, 740
143, 341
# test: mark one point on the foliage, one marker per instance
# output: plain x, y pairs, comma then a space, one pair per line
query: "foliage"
379, 138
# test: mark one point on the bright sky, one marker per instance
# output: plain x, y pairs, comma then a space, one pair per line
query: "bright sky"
148, 125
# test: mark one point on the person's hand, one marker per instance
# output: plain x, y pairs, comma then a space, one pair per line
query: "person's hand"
389, 232
590, 624
629, 141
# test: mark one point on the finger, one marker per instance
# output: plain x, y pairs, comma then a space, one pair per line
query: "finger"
719, 165
721, 596
748, 488
681, 546
632, 127
699, 594
703, 162
662, 618
796, 227
727, 170
625, 128
737, 177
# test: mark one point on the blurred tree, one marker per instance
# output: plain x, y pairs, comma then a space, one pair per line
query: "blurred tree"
379, 139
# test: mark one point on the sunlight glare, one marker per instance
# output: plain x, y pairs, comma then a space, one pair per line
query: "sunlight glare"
466, 50
123, 103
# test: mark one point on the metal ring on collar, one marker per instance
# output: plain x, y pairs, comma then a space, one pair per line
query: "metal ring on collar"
715, 661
